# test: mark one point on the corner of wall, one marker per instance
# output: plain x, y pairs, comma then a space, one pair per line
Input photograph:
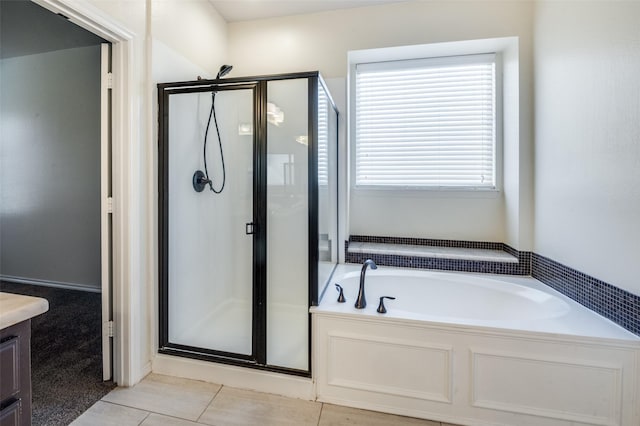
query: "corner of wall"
193, 29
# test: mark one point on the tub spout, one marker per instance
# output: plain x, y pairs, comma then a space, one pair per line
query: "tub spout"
361, 301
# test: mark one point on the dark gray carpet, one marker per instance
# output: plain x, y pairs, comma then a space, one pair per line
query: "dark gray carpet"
66, 354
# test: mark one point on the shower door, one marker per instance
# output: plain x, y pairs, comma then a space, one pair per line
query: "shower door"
239, 267
212, 236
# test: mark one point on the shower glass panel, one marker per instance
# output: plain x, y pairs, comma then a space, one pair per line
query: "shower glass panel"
210, 277
327, 187
287, 223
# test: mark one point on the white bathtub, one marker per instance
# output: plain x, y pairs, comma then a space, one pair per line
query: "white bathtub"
473, 349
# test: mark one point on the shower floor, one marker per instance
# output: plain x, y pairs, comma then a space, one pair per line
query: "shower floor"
228, 329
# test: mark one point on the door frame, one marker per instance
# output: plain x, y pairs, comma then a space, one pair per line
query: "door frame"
124, 117
259, 356
259, 213
105, 209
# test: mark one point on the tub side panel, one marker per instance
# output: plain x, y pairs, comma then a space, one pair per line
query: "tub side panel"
463, 376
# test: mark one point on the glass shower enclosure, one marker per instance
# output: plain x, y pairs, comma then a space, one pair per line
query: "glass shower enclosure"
247, 210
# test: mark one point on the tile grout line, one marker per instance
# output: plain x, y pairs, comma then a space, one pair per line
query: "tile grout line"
149, 412
197, 420
127, 406
120, 405
145, 417
320, 415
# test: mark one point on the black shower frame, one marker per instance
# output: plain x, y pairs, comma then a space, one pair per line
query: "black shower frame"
259, 314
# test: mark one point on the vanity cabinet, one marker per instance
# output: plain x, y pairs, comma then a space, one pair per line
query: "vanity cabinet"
15, 375
16, 312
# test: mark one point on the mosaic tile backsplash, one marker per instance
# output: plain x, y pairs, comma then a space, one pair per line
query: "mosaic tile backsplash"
613, 303
522, 267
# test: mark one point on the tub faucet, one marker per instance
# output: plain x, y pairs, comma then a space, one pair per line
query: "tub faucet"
361, 302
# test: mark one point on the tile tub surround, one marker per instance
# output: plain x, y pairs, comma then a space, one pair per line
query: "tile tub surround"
620, 306
446, 255
171, 401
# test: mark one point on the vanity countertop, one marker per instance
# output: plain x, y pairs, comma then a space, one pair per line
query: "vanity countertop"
15, 308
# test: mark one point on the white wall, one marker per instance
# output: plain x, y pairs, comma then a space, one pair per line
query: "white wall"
50, 167
194, 30
151, 34
321, 42
133, 286
587, 157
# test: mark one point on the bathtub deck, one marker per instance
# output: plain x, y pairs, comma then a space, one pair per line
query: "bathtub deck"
454, 253
578, 322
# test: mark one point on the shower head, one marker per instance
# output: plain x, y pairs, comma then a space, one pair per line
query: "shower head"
224, 70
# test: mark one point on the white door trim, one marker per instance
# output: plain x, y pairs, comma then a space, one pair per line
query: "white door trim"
106, 207
123, 118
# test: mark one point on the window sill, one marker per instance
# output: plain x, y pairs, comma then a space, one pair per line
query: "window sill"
452, 253
381, 191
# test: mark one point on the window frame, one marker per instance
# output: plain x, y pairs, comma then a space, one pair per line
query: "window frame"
428, 52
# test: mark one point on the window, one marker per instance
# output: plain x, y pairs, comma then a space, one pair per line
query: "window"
426, 123
323, 137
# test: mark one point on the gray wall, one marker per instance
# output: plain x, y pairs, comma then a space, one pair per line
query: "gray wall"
50, 167
27, 29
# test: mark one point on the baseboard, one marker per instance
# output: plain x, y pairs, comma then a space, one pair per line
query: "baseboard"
45, 283
237, 377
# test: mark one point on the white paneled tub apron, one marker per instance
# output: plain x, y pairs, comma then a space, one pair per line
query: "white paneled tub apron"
473, 349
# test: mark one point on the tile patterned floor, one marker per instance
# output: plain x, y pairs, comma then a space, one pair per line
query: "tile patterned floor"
169, 401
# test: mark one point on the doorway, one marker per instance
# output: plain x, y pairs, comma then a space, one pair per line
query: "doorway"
125, 119
52, 204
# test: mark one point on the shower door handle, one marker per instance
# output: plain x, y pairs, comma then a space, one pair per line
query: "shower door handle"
249, 228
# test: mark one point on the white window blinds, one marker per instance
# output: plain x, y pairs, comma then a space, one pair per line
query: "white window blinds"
323, 137
426, 123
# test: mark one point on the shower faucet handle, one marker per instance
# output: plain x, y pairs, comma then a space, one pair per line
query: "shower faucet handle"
341, 298
381, 309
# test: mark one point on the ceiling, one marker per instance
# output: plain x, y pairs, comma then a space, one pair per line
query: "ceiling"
246, 10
